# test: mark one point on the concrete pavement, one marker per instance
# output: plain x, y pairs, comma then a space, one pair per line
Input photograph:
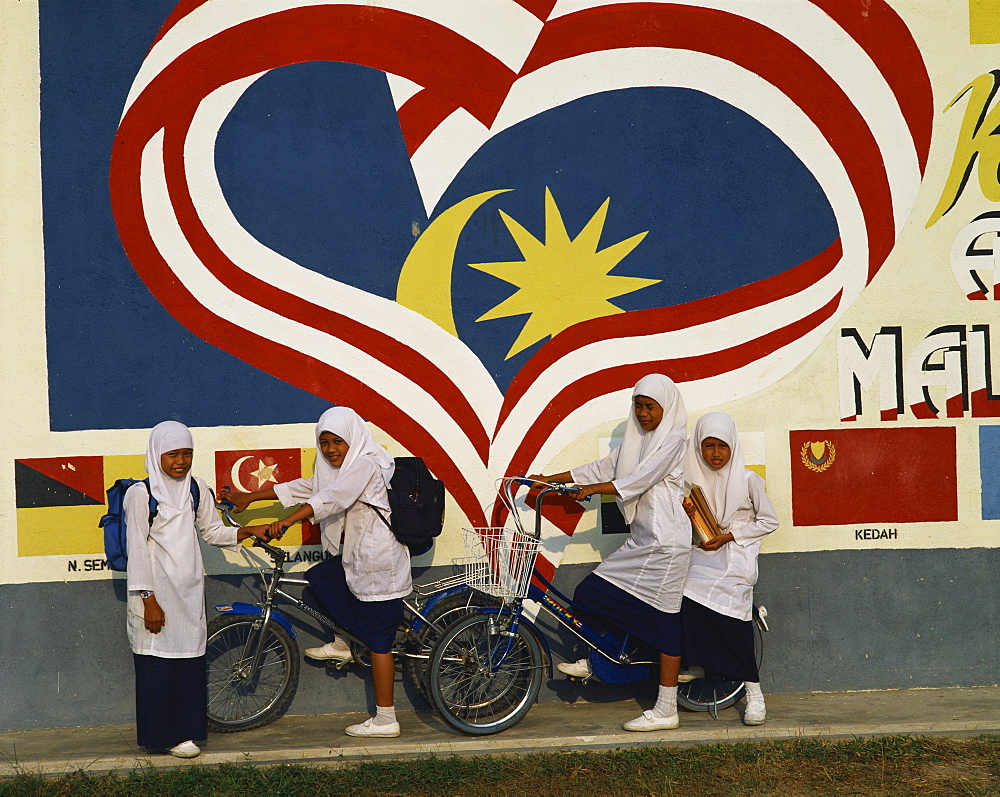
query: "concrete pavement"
320, 739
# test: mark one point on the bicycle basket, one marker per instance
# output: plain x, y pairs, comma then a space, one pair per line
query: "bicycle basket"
499, 561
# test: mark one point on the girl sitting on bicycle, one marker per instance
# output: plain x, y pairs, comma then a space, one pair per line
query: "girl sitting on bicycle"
363, 589
718, 594
638, 588
166, 593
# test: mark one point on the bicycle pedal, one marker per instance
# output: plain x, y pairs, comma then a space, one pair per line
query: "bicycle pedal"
338, 664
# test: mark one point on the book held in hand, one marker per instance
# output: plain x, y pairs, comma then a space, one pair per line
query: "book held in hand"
703, 522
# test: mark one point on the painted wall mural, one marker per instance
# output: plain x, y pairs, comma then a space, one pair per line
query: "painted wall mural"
479, 223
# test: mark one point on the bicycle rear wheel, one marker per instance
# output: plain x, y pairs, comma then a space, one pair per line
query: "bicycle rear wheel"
238, 699
715, 694
484, 678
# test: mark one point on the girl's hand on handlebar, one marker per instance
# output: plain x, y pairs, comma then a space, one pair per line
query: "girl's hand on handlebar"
240, 500
583, 491
260, 532
276, 530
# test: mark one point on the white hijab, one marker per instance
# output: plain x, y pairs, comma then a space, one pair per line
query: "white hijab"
638, 445
726, 489
176, 493
349, 426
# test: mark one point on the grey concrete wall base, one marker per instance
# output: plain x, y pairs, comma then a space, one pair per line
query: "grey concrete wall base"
840, 620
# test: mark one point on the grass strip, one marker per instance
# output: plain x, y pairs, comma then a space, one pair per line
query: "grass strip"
891, 765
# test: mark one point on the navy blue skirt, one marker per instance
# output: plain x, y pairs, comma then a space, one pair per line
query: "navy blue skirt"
720, 645
623, 611
170, 700
374, 623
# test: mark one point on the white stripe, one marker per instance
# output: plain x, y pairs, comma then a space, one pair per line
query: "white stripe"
501, 27
454, 359
814, 32
218, 299
761, 100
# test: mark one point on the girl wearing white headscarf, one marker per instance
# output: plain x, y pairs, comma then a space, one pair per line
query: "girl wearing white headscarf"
718, 593
362, 589
166, 593
638, 588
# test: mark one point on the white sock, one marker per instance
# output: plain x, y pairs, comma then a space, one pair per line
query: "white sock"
754, 694
666, 702
384, 715
340, 643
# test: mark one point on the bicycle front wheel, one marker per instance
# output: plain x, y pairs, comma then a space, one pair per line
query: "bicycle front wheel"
704, 694
239, 699
484, 677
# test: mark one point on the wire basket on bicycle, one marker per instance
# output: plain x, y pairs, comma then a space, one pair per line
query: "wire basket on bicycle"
499, 561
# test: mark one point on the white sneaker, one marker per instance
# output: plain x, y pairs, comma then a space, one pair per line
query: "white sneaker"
690, 674
648, 722
369, 728
338, 650
578, 669
754, 714
186, 749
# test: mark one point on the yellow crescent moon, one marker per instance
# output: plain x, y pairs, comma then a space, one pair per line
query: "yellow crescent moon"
425, 280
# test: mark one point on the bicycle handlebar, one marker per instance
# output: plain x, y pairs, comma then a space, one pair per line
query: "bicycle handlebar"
555, 487
227, 508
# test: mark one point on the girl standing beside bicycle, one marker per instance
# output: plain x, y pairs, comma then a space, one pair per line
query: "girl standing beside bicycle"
166, 593
363, 589
638, 588
718, 594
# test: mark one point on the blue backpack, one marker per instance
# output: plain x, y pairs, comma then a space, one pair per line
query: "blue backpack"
113, 523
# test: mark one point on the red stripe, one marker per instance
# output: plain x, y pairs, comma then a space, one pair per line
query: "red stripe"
171, 96
666, 319
383, 347
758, 49
681, 369
420, 115
425, 52
284, 363
889, 43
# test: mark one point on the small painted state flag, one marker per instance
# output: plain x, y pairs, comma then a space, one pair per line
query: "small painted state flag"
989, 472
248, 471
890, 475
60, 501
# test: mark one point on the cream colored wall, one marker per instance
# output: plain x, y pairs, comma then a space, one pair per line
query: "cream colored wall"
915, 289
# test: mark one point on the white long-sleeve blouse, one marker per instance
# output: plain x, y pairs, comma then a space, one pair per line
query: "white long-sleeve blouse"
376, 564
723, 579
166, 559
652, 563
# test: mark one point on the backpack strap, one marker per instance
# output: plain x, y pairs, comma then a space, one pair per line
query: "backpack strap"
380, 516
153, 506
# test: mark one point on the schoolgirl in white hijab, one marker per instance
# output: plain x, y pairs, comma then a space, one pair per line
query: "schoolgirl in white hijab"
718, 593
362, 589
638, 588
166, 592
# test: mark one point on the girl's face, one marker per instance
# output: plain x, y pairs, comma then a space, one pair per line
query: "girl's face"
333, 448
647, 412
177, 463
715, 452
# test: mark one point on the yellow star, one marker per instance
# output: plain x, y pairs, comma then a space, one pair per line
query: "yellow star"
561, 281
264, 473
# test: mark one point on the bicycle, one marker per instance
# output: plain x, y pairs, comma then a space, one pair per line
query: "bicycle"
252, 657
485, 669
